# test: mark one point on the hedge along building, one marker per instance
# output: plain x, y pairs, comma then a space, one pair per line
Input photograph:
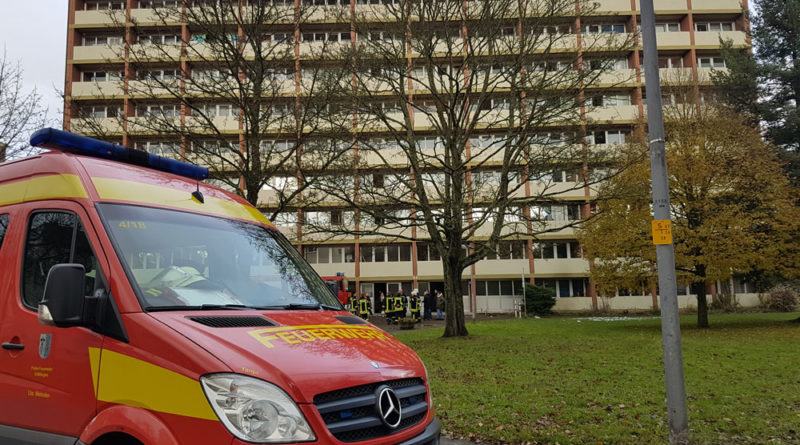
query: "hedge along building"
348, 90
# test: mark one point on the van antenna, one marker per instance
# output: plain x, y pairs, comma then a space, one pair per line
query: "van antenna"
198, 195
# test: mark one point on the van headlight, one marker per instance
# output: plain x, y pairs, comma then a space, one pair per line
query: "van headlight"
254, 410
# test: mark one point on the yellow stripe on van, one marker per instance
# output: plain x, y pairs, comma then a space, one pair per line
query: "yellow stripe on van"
42, 187
129, 381
121, 190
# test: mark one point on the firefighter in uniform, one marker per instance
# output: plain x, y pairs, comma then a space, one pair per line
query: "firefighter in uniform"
414, 305
389, 311
363, 307
353, 304
399, 306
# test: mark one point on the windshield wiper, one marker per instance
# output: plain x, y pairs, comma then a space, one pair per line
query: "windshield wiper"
302, 307
201, 307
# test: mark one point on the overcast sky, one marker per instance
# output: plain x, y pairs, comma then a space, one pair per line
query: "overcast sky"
34, 32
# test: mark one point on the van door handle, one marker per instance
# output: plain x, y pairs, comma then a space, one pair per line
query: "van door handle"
13, 346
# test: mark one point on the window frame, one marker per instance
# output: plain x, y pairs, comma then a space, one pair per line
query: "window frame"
91, 238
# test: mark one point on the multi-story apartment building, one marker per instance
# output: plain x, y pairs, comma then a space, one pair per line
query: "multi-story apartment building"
689, 31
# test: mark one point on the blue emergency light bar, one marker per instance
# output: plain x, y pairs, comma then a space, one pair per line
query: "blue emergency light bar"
75, 143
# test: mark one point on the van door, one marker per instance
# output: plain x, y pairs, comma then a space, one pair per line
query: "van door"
46, 375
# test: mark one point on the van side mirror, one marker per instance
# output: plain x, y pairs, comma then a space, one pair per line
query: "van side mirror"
62, 304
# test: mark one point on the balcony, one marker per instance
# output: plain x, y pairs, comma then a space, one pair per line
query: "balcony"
560, 190
100, 53
432, 269
147, 125
704, 74
329, 270
501, 267
382, 157
151, 89
612, 114
91, 125
612, 6
328, 14
717, 5
148, 15
170, 53
100, 18
679, 39
97, 90
386, 270
668, 5
616, 77
703, 40
675, 76
606, 42
561, 267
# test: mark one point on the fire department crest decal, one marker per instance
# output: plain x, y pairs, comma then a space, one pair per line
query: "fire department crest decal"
45, 342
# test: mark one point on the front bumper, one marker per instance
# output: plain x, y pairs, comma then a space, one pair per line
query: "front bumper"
428, 437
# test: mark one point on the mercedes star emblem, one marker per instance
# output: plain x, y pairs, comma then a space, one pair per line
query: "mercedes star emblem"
389, 407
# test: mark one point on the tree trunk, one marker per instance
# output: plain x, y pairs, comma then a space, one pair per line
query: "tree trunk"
455, 325
702, 304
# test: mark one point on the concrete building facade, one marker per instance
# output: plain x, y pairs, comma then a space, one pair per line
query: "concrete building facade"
100, 85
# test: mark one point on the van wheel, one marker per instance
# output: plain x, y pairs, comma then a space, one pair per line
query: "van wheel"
116, 439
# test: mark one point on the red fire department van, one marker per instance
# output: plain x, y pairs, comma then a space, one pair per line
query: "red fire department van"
139, 305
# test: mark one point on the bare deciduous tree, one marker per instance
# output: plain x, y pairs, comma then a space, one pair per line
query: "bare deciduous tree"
229, 91
466, 110
21, 112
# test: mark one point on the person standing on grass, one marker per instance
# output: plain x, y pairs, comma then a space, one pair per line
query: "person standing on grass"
439, 305
414, 304
428, 303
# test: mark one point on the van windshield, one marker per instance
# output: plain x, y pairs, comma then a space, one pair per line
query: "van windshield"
178, 260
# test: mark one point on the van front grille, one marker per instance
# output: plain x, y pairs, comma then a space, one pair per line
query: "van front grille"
351, 414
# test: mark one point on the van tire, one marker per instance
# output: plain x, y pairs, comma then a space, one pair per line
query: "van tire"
116, 439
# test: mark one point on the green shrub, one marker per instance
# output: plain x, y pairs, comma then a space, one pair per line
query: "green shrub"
539, 300
781, 298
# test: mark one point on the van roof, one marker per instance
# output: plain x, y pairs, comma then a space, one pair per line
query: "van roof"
59, 175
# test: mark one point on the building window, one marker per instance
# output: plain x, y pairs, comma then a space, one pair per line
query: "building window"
608, 28
54, 237
101, 76
286, 219
102, 40
498, 288
611, 100
218, 110
714, 26
427, 252
668, 27
711, 62
558, 249
158, 110
608, 137
276, 146
159, 39
158, 74
325, 36
159, 3
103, 5
102, 111
160, 148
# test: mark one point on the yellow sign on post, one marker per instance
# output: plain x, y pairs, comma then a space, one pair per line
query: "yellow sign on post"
662, 231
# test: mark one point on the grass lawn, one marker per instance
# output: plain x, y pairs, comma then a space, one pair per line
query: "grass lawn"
570, 380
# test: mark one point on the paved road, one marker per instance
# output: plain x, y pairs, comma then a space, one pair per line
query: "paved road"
446, 441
